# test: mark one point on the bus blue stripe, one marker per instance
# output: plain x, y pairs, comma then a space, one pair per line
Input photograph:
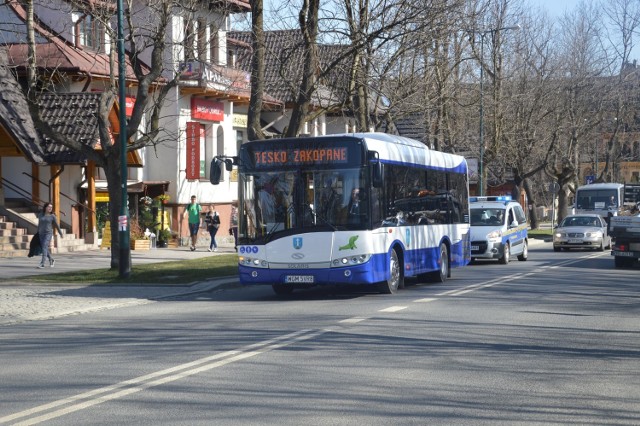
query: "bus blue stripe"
371, 273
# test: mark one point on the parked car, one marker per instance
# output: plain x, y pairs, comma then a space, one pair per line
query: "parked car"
585, 231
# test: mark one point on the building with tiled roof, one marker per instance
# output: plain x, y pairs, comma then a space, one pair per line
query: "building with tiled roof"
284, 56
204, 113
18, 136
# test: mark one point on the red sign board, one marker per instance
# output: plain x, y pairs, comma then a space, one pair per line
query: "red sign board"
204, 109
194, 131
129, 103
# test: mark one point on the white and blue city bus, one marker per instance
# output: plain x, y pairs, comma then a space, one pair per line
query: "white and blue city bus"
366, 209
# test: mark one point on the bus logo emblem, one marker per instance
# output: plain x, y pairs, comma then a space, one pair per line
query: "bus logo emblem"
297, 243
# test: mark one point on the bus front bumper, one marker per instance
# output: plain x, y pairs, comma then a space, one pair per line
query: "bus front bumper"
352, 275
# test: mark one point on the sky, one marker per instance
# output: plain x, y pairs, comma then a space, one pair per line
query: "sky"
555, 7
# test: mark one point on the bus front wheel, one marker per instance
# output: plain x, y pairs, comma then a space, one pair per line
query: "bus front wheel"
395, 280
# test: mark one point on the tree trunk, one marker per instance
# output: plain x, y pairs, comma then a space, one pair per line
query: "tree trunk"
308, 18
533, 213
254, 128
112, 173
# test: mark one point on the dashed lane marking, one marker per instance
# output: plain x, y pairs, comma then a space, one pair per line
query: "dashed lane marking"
393, 309
426, 300
353, 320
128, 387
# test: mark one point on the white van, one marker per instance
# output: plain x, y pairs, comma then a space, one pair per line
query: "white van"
604, 199
498, 229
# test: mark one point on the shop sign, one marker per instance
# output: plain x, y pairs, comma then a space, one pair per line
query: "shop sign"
205, 109
240, 120
194, 130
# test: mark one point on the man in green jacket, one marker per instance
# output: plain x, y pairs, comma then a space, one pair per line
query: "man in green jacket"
193, 210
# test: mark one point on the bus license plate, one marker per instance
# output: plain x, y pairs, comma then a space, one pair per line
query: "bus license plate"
294, 279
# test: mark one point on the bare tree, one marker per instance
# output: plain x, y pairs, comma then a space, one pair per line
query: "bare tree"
581, 99
308, 21
144, 38
624, 19
530, 102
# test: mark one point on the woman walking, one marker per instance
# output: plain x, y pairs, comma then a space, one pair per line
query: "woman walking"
213, 223
47, 221
233, 222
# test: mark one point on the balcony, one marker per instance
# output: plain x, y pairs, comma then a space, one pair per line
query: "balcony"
215, 80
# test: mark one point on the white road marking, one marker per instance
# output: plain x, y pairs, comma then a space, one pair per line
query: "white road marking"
353, 320
446, 293
425, 300
393, 309
128, 387
119, 390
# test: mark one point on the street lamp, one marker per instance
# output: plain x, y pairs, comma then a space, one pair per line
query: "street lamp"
482, 34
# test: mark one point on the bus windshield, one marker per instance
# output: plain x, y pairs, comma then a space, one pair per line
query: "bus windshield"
279, 203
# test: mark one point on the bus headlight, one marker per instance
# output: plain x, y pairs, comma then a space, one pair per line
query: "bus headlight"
253, 262
350, 261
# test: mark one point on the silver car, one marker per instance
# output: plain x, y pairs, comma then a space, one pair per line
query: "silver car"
585, 231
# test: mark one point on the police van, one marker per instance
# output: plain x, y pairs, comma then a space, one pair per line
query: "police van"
498, 229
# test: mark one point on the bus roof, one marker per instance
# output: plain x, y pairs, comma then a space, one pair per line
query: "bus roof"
391, 149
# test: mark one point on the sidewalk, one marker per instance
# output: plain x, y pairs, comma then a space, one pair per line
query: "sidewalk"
24, 302
17, 267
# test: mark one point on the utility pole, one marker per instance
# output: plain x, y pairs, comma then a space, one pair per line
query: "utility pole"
124, 265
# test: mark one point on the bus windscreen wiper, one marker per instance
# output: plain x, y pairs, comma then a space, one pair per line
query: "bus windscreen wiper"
323, 219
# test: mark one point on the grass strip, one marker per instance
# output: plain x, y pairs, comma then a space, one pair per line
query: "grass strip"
540, 233
179, 272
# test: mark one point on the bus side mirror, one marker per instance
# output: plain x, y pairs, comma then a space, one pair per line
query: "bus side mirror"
377, 177
377, 173
215, 171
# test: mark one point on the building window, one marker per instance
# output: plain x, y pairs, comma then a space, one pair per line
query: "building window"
189, 40
220, 146
214, 45
202, 40
89, 33
231, 58
239, 139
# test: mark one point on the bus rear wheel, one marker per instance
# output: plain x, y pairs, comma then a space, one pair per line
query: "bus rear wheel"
282, 289
395, 280
442, 273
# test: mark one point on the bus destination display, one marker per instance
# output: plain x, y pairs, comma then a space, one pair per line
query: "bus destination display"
270, 157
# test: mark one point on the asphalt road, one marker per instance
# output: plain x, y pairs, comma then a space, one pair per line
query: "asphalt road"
553, 340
